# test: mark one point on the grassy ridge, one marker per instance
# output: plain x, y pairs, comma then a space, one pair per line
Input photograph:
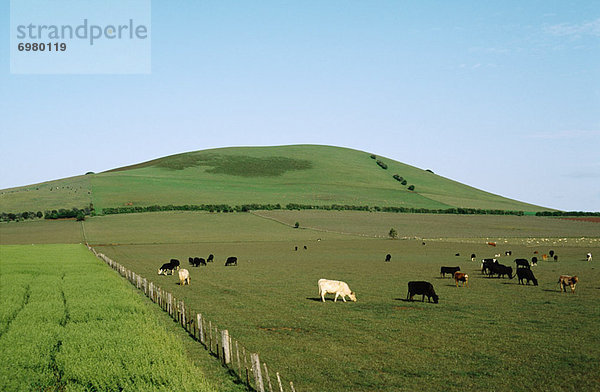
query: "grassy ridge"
304, 174
69, 323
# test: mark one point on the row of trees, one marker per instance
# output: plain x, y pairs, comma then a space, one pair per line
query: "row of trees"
566, 213
296, 206
383, 165
11, 216
62, 213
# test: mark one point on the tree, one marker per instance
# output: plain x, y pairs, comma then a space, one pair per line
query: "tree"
411, 188
297, 225
393, 233
80, 215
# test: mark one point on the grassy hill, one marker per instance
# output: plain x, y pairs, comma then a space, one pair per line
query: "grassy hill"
304, 174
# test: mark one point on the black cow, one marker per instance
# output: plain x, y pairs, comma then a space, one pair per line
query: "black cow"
522, 263
486, 266
555, 257
191, 260
167, 268
388, 257
197, 261
175, 262
524, 273
534, 260
305, 247
473, 257
231, 261
295, 248
501, 270
448, 270
422, 288
211, 258
551, 253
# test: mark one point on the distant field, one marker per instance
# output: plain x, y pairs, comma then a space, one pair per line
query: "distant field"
68, 323
434, 226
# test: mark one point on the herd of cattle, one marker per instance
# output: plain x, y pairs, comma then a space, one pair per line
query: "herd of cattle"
184, 274
489, 267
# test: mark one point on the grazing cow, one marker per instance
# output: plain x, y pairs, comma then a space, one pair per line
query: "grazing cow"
565, 280
184, 277
491, 243
526, 273
473, 257
448, 270
551, 253
167, 268
524, 263
305, 247
336, 287
388, 257
534, 261
231, 261
198, 261
486, 266
545, 257
589, 257
535, 252
191, 260
501, 270
295, 248
508, 253
555, 257
458, 254
422, 288
211, 258
461, 277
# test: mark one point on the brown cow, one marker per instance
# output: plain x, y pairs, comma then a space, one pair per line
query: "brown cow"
565, 280
461, 277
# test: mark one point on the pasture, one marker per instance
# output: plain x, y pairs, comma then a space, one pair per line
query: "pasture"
495, 335
68, 323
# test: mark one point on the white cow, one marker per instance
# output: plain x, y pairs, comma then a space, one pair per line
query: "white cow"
184, 277
589, 257
335, 287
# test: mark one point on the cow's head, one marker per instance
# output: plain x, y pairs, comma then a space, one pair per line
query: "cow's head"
352, 296
435, 298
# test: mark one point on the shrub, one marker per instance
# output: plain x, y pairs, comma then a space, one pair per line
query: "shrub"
411, 188
373, 156
297, 225
382, 164
393, 233
404, 182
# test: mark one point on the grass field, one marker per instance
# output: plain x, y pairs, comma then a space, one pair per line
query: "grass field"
495, 335
68, 323
305, 174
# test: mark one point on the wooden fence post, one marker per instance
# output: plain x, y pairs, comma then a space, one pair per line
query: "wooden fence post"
267, 377
257, 373
200, 328
210, 336
246, 367
237, 353
225, 345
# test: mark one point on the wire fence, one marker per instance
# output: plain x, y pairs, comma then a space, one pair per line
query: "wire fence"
242, 363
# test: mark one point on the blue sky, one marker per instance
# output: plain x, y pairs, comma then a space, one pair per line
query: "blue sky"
502, 96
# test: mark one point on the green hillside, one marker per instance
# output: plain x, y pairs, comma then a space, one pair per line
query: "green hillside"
303, 174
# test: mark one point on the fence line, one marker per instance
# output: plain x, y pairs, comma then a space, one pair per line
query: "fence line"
217, 341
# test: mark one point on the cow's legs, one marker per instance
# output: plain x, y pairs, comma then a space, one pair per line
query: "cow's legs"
336, 295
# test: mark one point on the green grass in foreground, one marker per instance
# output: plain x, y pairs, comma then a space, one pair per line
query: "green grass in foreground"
69, 323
